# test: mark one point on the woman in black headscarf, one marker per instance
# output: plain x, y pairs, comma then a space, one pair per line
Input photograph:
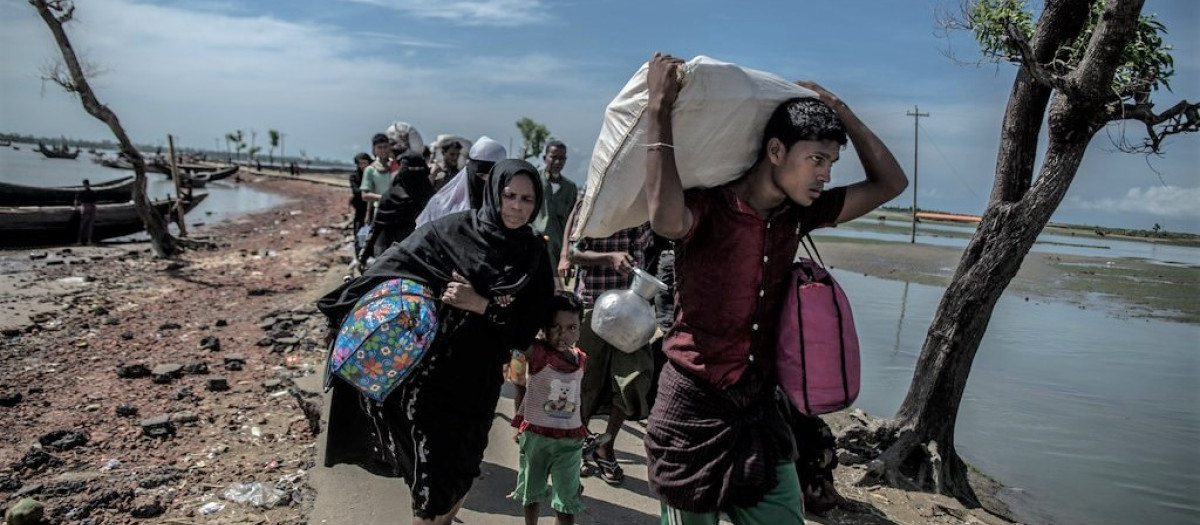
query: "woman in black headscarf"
494, 280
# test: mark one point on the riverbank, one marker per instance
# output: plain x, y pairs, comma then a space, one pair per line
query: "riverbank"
1121, 287
136, 388
1071, 230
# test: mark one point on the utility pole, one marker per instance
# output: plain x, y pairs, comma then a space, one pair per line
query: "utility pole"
916, 115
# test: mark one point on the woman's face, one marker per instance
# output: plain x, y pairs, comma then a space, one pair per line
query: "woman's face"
517, 200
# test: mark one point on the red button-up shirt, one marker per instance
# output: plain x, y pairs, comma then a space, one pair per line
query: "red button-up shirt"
731, 271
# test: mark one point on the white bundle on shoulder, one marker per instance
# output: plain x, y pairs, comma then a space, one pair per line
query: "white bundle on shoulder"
406, 135
718, 122
453, 197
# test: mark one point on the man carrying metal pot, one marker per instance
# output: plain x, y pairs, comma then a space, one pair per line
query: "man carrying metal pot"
615, 383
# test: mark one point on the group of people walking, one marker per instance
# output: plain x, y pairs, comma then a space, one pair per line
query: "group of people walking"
502, 275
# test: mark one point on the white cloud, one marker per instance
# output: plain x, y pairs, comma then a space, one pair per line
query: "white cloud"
1162, 201
201, 74
501, 13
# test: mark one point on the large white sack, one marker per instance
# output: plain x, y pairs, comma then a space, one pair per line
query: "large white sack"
443, 140
453, 197
718, 120
406, 135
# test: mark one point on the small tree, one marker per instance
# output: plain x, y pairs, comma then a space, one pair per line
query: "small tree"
273, 135
533, 136
1084, 65
239, 144
74, 80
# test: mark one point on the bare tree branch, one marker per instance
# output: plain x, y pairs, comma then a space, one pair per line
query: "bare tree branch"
1183, 117
74, 79
1030, 63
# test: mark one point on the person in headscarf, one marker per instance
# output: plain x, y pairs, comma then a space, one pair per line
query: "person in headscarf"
361, 161
396, 217
493, 280
483, 153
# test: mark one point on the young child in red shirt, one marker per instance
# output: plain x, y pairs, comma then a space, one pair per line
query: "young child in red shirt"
550, 430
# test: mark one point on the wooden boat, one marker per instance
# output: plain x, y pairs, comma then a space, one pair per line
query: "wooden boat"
32, 226
122, 164
201, 179
117, 190
57, 153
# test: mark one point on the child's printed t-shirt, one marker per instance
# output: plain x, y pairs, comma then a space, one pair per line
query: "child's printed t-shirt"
551, 406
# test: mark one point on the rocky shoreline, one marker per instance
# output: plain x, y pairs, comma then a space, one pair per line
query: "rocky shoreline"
135, 388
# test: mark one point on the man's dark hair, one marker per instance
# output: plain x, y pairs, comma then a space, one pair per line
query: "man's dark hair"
564, 301
86, 182
554, 144
802, 119
379, 138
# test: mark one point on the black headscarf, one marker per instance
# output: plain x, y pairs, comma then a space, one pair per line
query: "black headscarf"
495, 259
476, 183
406, 197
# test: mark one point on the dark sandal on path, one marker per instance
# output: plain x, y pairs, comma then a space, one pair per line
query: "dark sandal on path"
610, 471
587, 469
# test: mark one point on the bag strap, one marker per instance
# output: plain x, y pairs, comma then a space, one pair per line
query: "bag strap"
813, 249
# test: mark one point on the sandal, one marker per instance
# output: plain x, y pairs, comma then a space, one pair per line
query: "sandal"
610, 471
587, 470
593, 442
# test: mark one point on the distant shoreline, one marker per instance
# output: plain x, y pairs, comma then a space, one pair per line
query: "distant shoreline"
1122, 287
1081, 230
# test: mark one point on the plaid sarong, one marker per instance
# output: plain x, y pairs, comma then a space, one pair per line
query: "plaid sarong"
709, 449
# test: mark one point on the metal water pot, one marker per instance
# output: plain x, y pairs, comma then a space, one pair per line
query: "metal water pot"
624, 318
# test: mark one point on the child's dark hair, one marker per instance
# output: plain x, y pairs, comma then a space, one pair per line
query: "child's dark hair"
802, 119
564, 301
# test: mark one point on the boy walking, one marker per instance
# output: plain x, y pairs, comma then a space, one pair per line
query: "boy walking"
550, 430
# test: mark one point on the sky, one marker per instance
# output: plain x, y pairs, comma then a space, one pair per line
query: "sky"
330, 73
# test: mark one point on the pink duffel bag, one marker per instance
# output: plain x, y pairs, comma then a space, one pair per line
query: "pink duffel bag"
817, 352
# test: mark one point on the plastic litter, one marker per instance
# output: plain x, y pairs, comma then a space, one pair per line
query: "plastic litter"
255, 493
111, 464
211, 507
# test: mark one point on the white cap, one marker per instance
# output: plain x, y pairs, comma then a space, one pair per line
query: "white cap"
487, 150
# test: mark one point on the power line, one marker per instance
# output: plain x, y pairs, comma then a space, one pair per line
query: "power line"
946, 159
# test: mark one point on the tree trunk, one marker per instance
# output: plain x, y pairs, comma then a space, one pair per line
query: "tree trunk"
161, 240
920, 438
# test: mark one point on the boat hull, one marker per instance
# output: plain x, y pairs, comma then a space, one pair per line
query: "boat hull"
117, 190
51, 225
